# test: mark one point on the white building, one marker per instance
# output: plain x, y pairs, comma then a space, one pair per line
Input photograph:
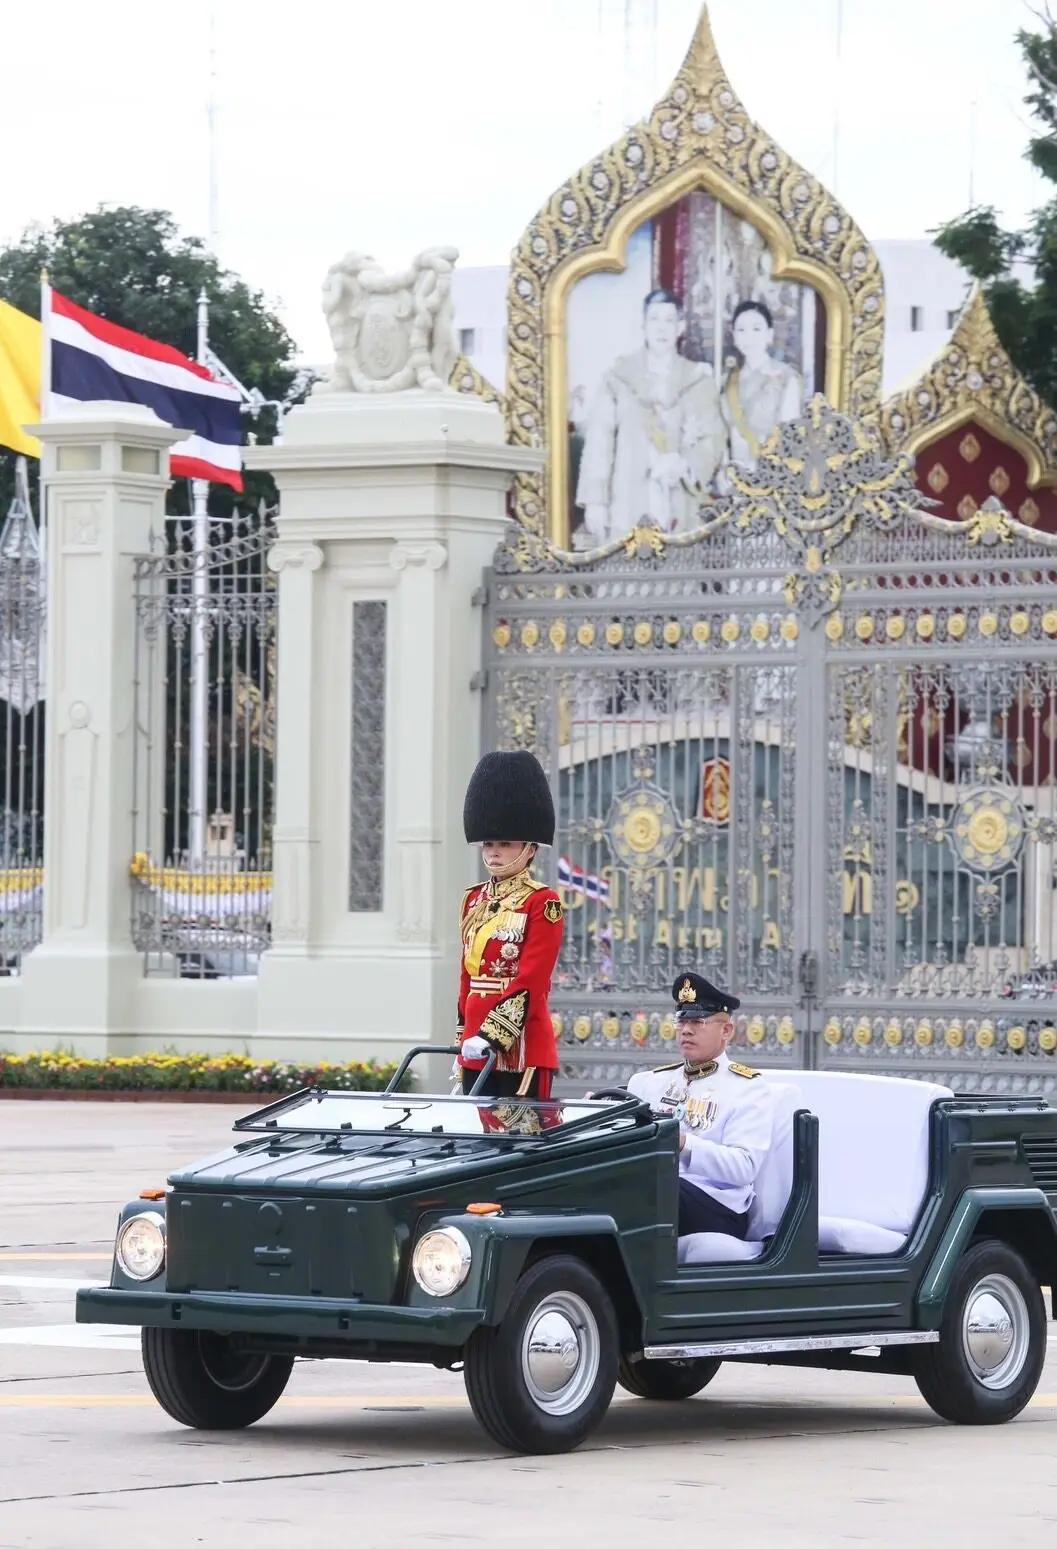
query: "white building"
924, 291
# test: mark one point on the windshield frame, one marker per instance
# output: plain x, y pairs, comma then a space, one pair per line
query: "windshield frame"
269, 1120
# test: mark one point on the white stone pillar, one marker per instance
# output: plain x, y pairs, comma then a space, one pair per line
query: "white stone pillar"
105, 471
396, 500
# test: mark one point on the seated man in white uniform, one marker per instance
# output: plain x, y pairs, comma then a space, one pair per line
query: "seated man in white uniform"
725, 1114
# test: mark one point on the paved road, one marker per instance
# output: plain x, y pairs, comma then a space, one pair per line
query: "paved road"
390, 1456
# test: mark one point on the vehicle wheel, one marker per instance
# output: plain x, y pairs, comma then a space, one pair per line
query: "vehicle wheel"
203, 1381
669, 1381
992, 1340
543, 1379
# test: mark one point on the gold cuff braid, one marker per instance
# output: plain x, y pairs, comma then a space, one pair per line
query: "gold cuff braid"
505, 1024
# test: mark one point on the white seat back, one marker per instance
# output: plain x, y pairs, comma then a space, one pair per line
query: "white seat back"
873, 1162
774, 1182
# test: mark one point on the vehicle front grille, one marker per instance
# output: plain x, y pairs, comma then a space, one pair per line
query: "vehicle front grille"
1040, 1153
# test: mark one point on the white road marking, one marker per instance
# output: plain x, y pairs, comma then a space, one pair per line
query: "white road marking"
74, 1336
44, 1283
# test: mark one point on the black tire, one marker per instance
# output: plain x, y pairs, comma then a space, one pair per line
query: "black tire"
666, 1381
987, 1378
509, 1398
204, 1382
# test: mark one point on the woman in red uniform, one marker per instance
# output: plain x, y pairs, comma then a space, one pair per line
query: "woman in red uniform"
511, 931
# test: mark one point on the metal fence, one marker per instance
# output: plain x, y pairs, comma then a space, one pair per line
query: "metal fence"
204, 749
811, 748
22, 622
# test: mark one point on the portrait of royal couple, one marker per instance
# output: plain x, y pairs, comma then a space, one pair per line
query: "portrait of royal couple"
661, 427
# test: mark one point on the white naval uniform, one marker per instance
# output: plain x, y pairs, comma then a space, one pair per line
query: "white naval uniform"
728, 1119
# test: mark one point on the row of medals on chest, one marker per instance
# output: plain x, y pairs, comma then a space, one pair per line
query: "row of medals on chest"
694, 1112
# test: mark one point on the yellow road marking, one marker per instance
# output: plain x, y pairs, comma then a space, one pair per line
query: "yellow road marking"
432, 1401
135, 1400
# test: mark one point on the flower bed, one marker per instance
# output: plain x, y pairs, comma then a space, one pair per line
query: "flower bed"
238, 1074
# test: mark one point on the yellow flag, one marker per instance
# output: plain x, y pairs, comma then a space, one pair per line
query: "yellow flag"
20, 348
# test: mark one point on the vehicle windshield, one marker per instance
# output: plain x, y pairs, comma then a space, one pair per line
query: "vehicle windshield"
370, 1112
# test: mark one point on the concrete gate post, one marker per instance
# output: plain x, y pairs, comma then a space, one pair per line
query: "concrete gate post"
391, 508
105, 471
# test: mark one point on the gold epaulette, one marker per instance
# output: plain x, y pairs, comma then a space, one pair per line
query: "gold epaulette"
466, 899
742, 1070
532, 885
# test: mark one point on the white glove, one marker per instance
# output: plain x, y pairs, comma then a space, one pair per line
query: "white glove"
476, 1048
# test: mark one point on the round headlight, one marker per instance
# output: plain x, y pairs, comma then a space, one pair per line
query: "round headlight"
441, 1261
141, 1245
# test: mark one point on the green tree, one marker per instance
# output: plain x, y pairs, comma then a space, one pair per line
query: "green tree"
134, 267
1024, 312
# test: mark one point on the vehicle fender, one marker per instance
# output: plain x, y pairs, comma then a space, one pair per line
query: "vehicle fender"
502, 1246
959, 1232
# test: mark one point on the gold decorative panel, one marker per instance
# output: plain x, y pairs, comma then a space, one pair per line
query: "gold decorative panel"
973, 379
698, 137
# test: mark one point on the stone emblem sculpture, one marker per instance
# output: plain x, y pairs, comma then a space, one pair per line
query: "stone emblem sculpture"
391, 332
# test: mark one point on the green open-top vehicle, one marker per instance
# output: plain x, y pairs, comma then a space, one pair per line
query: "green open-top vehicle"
897, 1229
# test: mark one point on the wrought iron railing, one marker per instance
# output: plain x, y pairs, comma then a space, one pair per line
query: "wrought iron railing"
22, 622
204, 750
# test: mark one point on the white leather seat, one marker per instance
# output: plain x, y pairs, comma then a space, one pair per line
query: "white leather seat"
873, 1155
773, 1188
873, 1164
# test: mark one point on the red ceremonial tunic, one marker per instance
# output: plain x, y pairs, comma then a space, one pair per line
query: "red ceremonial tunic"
511, 937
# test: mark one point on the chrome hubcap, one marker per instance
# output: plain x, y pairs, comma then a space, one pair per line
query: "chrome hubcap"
560, 1353
995, 1332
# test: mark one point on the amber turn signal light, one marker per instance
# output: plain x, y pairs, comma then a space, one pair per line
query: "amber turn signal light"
152, 1193
484, 1210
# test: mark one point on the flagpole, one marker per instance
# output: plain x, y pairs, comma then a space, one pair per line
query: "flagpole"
45, 410
199, 730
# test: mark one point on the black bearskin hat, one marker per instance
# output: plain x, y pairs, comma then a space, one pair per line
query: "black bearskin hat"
508, 798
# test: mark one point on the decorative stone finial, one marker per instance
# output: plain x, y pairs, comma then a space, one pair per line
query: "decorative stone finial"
391, 332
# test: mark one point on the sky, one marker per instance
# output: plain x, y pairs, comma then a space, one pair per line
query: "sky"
391, 127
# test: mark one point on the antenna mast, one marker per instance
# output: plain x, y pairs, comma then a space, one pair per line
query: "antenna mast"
211, 119
627, 61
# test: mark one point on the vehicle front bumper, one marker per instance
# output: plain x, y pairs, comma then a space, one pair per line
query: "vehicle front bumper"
309, 1317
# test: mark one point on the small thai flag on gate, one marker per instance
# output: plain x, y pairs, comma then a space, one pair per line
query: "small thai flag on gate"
93, 360
579, 881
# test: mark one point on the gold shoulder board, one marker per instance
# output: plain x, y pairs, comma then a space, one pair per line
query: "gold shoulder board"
742, 1070
532, 885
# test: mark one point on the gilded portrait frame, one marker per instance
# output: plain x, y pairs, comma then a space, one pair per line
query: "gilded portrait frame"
699, 136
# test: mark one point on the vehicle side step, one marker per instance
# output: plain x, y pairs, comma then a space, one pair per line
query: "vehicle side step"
730, 1347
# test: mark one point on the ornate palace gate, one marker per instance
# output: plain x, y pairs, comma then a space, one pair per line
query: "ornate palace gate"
810, 747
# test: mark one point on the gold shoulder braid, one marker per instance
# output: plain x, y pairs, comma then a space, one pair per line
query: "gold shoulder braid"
743, 1070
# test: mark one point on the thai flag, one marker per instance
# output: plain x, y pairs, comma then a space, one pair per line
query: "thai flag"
94, 360
579, 881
